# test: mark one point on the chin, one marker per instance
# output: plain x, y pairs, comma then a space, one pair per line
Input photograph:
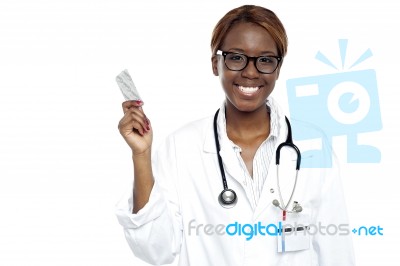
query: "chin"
247, 106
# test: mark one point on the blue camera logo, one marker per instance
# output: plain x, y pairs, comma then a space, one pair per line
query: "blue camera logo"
344, 103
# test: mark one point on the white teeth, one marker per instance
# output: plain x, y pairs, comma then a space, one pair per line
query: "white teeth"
248, 89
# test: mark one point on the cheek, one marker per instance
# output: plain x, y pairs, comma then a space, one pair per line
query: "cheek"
223, 73
271, 79
227, 80
226, 76
220, 67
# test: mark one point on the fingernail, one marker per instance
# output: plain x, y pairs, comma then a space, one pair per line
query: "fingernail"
138, 101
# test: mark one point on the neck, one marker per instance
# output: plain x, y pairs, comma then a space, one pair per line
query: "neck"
247, 124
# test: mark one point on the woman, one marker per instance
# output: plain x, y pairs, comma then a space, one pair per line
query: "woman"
176, 206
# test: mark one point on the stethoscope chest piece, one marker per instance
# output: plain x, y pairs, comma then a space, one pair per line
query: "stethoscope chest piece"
227, 198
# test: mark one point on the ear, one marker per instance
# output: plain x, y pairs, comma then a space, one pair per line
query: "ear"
214, 63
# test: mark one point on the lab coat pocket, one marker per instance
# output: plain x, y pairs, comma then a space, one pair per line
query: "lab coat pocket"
294, 233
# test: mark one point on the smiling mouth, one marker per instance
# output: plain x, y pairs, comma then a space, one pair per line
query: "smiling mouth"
248, 90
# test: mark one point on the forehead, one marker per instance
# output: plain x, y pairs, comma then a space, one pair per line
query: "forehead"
249, 38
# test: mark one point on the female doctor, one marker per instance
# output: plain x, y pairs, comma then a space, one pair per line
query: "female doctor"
269, 212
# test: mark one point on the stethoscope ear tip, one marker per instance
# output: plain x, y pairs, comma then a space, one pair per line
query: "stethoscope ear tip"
275, 202
227, 198
296, 206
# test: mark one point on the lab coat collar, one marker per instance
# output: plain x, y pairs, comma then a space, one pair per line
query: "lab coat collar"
228, 149
228, 154
229, 158
209, 141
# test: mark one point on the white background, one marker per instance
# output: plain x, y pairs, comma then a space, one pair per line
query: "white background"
63, 165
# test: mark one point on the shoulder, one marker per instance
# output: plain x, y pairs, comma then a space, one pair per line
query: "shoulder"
305, 129
195, 128
316, 147
190, 135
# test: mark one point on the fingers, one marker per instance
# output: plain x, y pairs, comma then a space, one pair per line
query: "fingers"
127, 126
134, 118
129, 104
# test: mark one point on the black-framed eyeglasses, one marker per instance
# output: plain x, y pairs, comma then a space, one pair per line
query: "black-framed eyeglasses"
265, 64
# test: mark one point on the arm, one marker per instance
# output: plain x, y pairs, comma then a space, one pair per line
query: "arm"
150, 216
135, 129
143, 180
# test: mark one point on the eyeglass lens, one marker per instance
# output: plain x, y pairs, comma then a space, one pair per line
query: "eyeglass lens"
264, 64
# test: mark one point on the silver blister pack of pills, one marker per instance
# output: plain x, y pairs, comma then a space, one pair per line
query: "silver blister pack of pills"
127, 87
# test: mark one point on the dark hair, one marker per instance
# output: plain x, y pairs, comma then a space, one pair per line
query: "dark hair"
253, 14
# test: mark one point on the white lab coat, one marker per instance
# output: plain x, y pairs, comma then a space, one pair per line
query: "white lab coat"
187, 185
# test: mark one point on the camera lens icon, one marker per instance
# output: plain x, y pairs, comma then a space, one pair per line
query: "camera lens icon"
348, 102
340, 104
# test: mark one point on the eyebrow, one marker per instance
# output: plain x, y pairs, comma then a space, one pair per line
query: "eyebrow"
242, 51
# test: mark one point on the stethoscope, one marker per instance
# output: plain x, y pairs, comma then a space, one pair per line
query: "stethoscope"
228, 198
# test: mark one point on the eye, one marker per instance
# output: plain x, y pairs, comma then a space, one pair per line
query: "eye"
267, 60
235, 57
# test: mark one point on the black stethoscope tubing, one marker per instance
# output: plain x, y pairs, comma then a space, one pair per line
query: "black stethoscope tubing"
228, 198
289, 143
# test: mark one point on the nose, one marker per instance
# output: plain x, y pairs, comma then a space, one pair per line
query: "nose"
250, 71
